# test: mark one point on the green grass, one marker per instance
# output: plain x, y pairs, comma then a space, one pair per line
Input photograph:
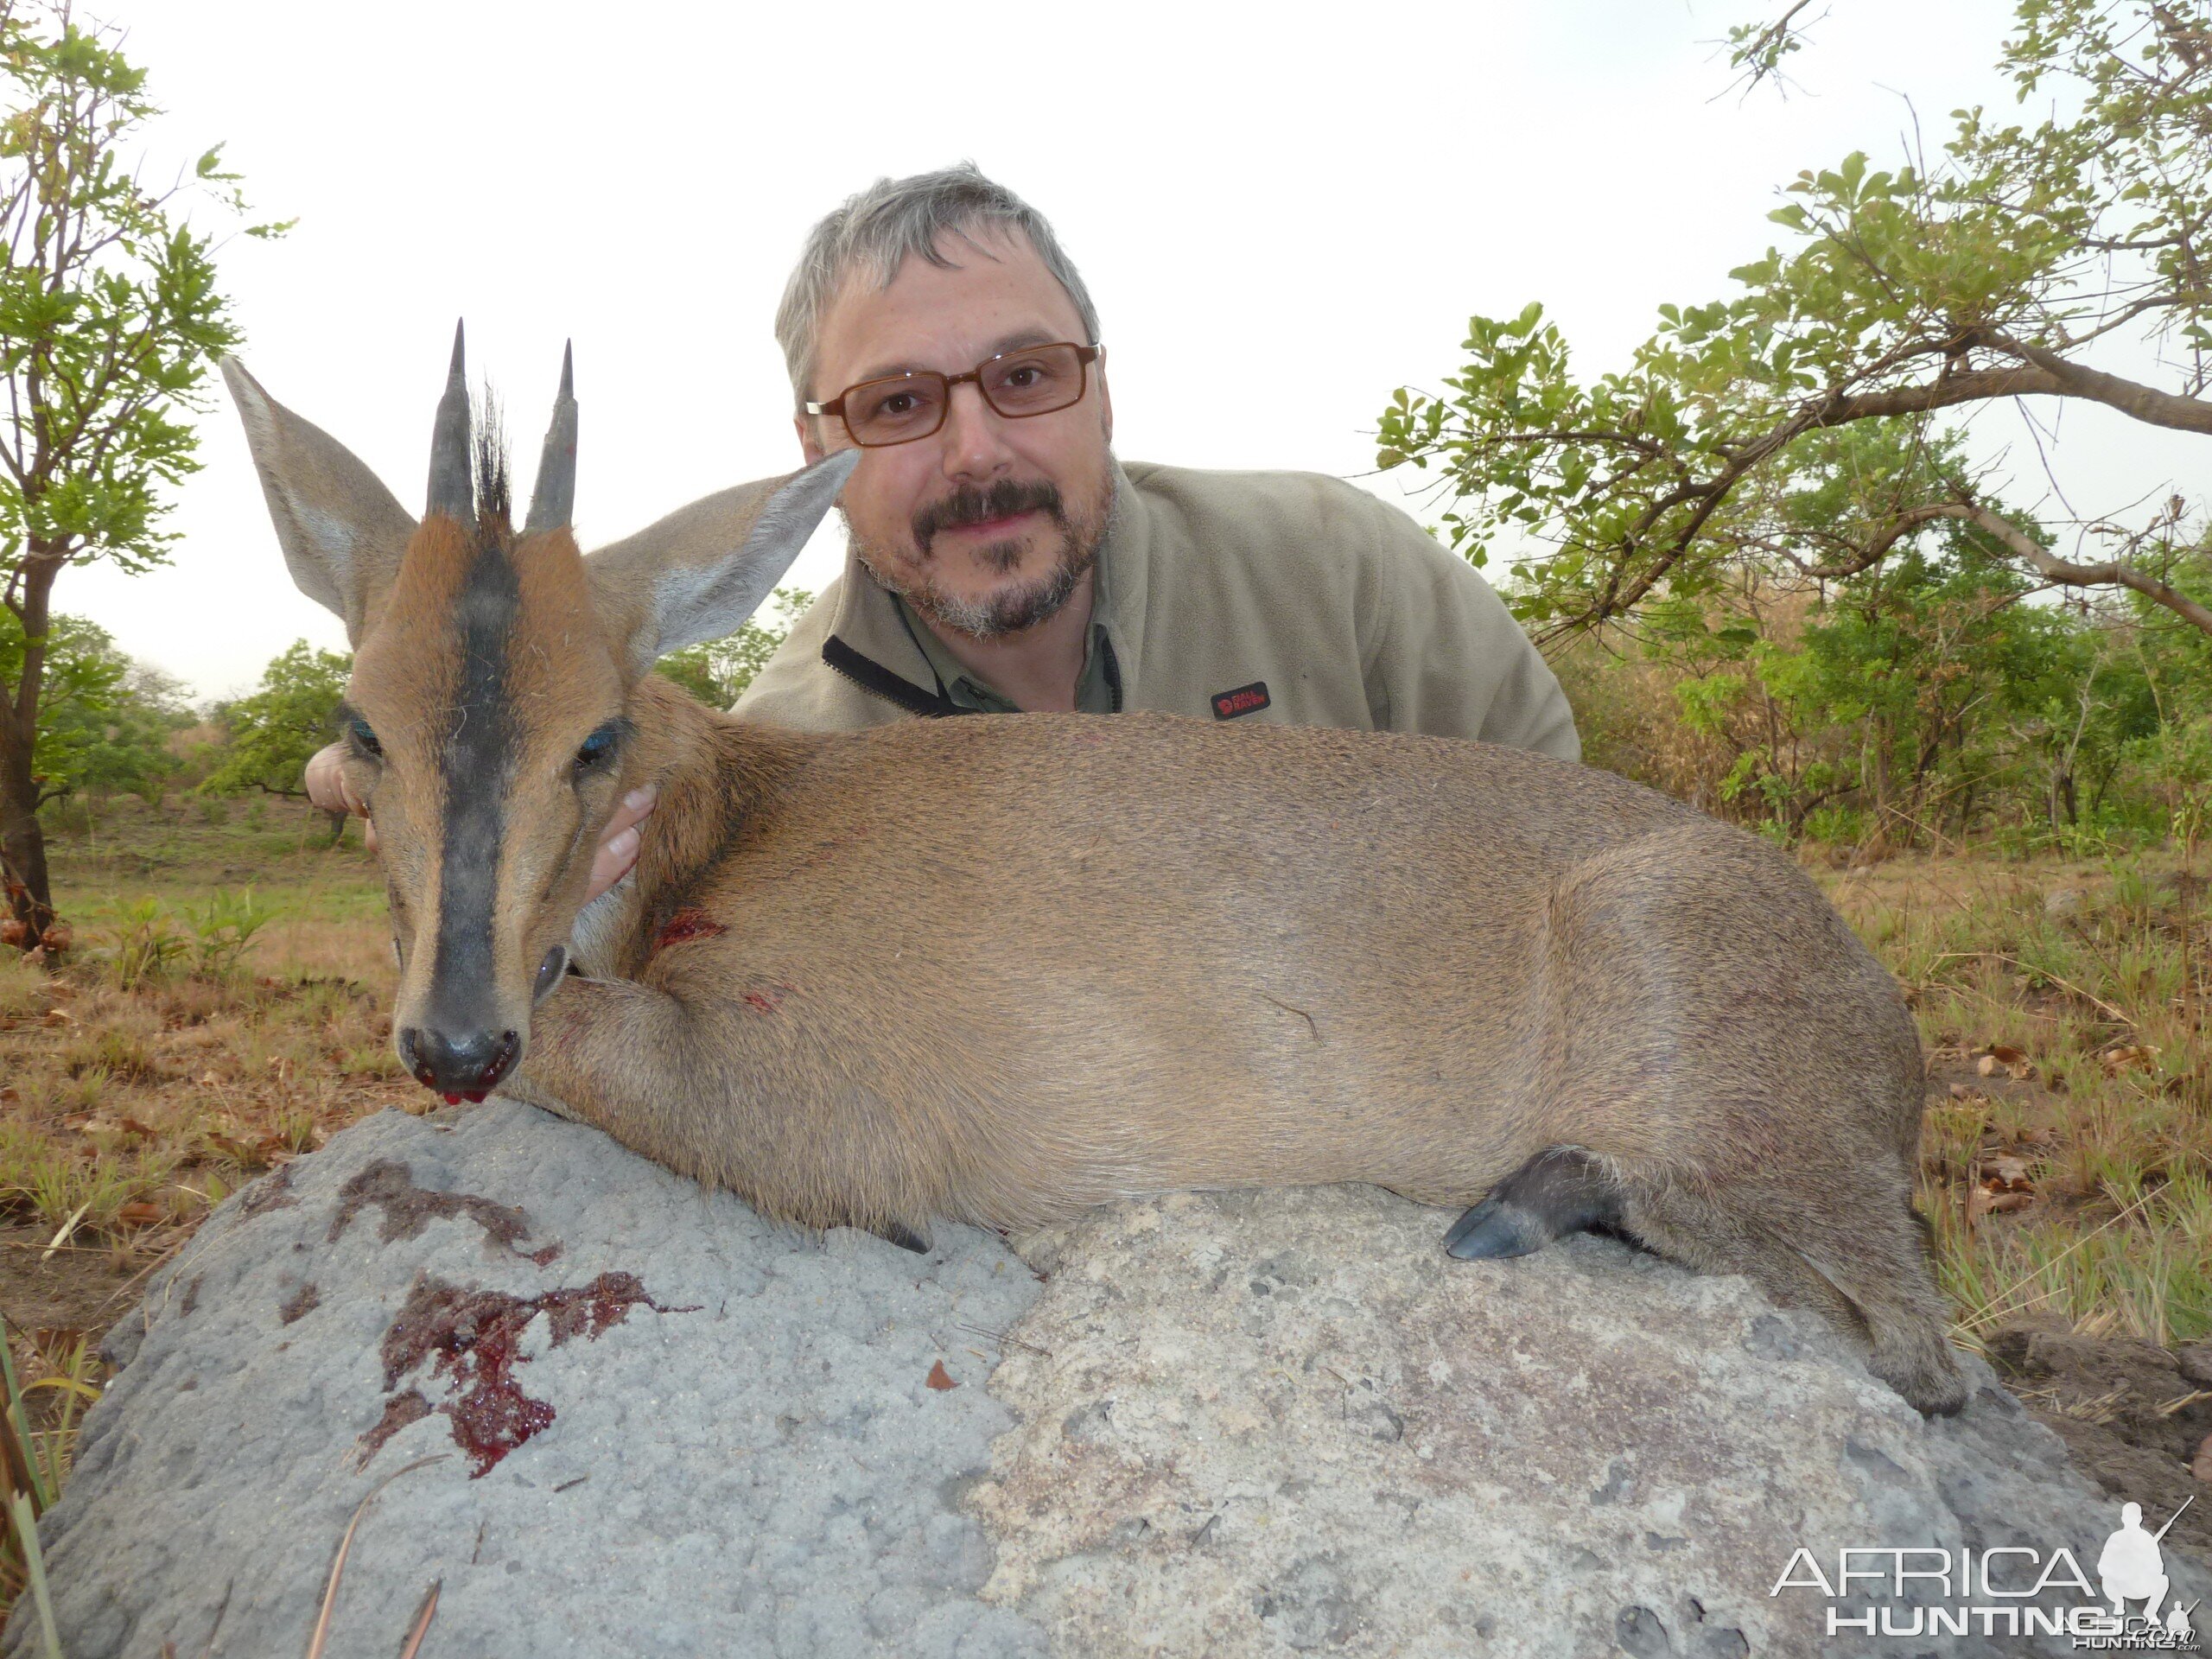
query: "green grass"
2097, 974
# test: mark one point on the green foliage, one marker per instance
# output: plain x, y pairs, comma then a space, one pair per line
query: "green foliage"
1920, 705
147, 945
718, 671
110, 318
110, 323
151, 940
107, 720
272, 731
222, 927
1983, 272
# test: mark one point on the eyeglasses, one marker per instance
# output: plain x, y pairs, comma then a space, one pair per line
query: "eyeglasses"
900, 408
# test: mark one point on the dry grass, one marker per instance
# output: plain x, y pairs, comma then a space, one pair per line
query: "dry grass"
224, 1011
2067, 1156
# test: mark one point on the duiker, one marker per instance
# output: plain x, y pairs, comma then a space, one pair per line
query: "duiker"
999, 969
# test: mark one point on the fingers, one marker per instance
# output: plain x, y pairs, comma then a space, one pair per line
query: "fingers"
369, 832
326, 780
618, 847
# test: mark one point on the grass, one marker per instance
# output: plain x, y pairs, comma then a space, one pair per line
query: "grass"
2066, 1159
226, 1009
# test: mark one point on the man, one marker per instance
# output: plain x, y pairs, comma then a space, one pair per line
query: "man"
1000, 558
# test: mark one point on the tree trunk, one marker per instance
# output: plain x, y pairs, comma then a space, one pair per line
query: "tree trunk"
22, 840
23, 844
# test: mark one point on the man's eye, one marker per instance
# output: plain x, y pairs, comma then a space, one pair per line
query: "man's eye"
365, 738
897, 406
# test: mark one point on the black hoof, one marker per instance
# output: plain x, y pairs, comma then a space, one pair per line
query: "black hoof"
903, 1238
1559, 1191
1490, 1231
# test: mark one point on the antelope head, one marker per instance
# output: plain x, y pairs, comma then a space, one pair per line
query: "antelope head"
487, 721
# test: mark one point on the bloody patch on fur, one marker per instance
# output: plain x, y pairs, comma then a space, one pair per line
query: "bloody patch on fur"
470, 1339
688, 923
766, 999
301, 1303
407, 1209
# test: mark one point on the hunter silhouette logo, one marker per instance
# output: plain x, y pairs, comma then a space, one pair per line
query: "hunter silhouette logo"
2011, 1590
2132, 1567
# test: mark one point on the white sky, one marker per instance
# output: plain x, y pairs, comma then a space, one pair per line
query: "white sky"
1282, 217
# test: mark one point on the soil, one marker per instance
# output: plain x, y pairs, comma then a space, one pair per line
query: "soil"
78, 1289
2134, 1416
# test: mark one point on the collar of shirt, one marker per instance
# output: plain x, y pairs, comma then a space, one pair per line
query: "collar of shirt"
1096, 691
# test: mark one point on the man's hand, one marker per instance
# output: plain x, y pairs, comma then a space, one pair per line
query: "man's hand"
618, 845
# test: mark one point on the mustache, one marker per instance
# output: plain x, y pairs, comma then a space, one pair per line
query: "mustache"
969, 505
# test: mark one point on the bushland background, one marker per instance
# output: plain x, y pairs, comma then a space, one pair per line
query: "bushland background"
1776, 574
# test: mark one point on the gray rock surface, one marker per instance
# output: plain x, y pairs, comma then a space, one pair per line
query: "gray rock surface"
1236, 1424
1281, 1422
752, 1463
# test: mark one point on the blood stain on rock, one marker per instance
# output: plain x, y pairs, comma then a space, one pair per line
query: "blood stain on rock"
398, 1411
301, 1303
407, 1209
470, 1338
272, 1192
191, 1295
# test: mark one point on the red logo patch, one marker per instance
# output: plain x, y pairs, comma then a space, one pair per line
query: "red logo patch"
1227, 705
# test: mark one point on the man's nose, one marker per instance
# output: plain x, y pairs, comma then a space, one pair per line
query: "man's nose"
975, 435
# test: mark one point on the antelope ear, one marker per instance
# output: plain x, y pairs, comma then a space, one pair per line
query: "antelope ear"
342, 533
701, 572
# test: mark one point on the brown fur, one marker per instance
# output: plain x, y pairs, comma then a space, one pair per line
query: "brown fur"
999, 969
1002, 969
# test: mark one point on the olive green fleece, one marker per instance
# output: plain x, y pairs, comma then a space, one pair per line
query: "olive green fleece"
1341, 607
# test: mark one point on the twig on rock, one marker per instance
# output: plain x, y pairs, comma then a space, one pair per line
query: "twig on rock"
344, 1545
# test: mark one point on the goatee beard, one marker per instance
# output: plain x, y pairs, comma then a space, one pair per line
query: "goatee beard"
1006, 610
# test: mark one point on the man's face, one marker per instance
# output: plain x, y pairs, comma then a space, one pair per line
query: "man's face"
988, 524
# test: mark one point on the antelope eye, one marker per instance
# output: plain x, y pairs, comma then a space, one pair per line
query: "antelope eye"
599, 748
365, 738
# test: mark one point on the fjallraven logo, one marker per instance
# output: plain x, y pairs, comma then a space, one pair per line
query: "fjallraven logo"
1227, 705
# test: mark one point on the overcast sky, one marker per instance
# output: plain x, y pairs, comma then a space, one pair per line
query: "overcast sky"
1282, 220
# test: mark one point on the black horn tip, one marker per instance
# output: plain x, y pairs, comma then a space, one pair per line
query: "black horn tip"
567, 370
458, 368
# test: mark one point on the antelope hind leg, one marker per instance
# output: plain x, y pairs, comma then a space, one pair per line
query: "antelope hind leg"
1560, 1191
1863, 1267
1872, 1281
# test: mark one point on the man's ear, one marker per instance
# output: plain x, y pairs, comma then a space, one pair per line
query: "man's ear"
700, 573
809, 446
342, 532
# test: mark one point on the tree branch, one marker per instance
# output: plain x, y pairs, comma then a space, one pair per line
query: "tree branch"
2066, 573
2130, 398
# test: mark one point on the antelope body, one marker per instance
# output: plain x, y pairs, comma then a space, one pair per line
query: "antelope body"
1000, 968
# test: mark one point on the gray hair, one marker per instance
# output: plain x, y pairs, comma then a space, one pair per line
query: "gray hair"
874, 231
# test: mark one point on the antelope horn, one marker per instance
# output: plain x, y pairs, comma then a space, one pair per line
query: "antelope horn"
453, 490
553, 496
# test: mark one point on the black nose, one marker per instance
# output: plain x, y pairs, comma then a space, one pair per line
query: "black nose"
461, 1066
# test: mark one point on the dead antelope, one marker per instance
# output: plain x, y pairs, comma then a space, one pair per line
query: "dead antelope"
1000, 968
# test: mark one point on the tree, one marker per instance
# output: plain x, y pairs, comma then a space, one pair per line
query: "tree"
104, 719
273, 731
1995, 271
110, 318
718, 671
